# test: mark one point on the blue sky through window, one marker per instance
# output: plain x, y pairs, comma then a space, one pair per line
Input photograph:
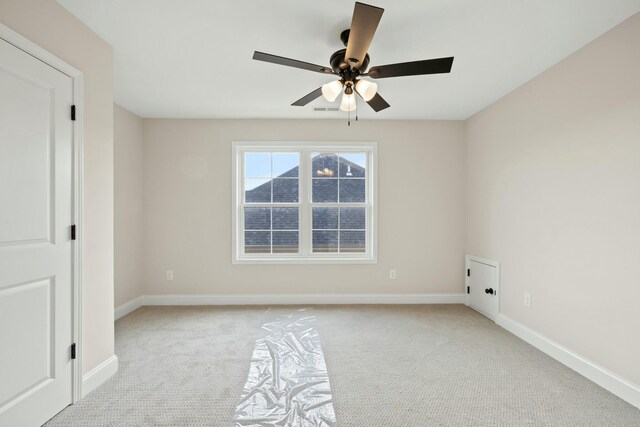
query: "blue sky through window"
260, 168
257, 165
359, 159
284, 162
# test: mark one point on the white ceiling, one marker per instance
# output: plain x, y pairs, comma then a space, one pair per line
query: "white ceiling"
192, 58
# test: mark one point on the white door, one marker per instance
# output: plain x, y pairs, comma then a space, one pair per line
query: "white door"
482, 286
36, 264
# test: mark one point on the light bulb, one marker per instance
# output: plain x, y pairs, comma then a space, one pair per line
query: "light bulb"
348, 102
367, 89
331, 90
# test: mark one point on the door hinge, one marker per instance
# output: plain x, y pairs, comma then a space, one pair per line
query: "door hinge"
468, 272
73, 232
73, 112
73, 351
468, 289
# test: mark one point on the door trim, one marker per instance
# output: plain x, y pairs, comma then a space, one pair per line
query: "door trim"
27, 46
467, 265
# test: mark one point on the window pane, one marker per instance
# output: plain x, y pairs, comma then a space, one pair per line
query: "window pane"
257, 242
325, 218
285, 219
353, 218
285, 164
325, 190
325, 241
324, 165
257, 190
353, 165
285, 190
352, 190
257, 218
257, 165
285, 242
352, 241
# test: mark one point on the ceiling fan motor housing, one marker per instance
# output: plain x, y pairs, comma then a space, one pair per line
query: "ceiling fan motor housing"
340, 65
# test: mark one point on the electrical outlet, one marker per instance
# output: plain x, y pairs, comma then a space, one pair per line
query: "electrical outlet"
527, 299
392, 274
169, 274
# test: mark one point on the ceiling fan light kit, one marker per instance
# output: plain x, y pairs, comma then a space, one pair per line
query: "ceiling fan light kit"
366, 89
348, 102
350, 65
331, 90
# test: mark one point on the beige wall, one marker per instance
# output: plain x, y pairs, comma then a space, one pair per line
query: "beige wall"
554, 195
128, 206
422, 182
48, 24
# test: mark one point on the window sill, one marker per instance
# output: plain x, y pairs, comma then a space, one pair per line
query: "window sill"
293, 261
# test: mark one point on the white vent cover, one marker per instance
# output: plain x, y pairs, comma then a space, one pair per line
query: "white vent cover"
326, 109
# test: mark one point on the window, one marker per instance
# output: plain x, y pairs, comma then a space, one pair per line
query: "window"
304, 202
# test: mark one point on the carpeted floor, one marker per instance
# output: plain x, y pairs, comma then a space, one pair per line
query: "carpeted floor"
388, 366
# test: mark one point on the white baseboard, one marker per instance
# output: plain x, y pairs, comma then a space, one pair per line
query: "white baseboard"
302, 299
608, 380
128, 307
98, 375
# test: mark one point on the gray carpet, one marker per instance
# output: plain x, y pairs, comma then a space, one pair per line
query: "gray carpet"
388, 366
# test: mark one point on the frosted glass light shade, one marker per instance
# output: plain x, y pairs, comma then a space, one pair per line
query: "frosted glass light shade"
331, 90
348, 102
367, 89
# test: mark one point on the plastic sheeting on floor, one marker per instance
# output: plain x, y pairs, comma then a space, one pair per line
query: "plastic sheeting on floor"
288, 384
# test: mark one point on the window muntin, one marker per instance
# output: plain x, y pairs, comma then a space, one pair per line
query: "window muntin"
304, 203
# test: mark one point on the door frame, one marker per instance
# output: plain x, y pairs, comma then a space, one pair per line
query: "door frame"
467, 265
29, 47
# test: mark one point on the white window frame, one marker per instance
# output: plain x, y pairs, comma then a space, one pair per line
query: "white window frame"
305, 255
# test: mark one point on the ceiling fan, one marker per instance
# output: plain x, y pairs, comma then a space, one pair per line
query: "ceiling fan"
351, 63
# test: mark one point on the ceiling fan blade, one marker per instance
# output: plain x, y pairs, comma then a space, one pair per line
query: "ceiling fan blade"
378, 103
281, 60
363, 26
308, 98
428, 66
